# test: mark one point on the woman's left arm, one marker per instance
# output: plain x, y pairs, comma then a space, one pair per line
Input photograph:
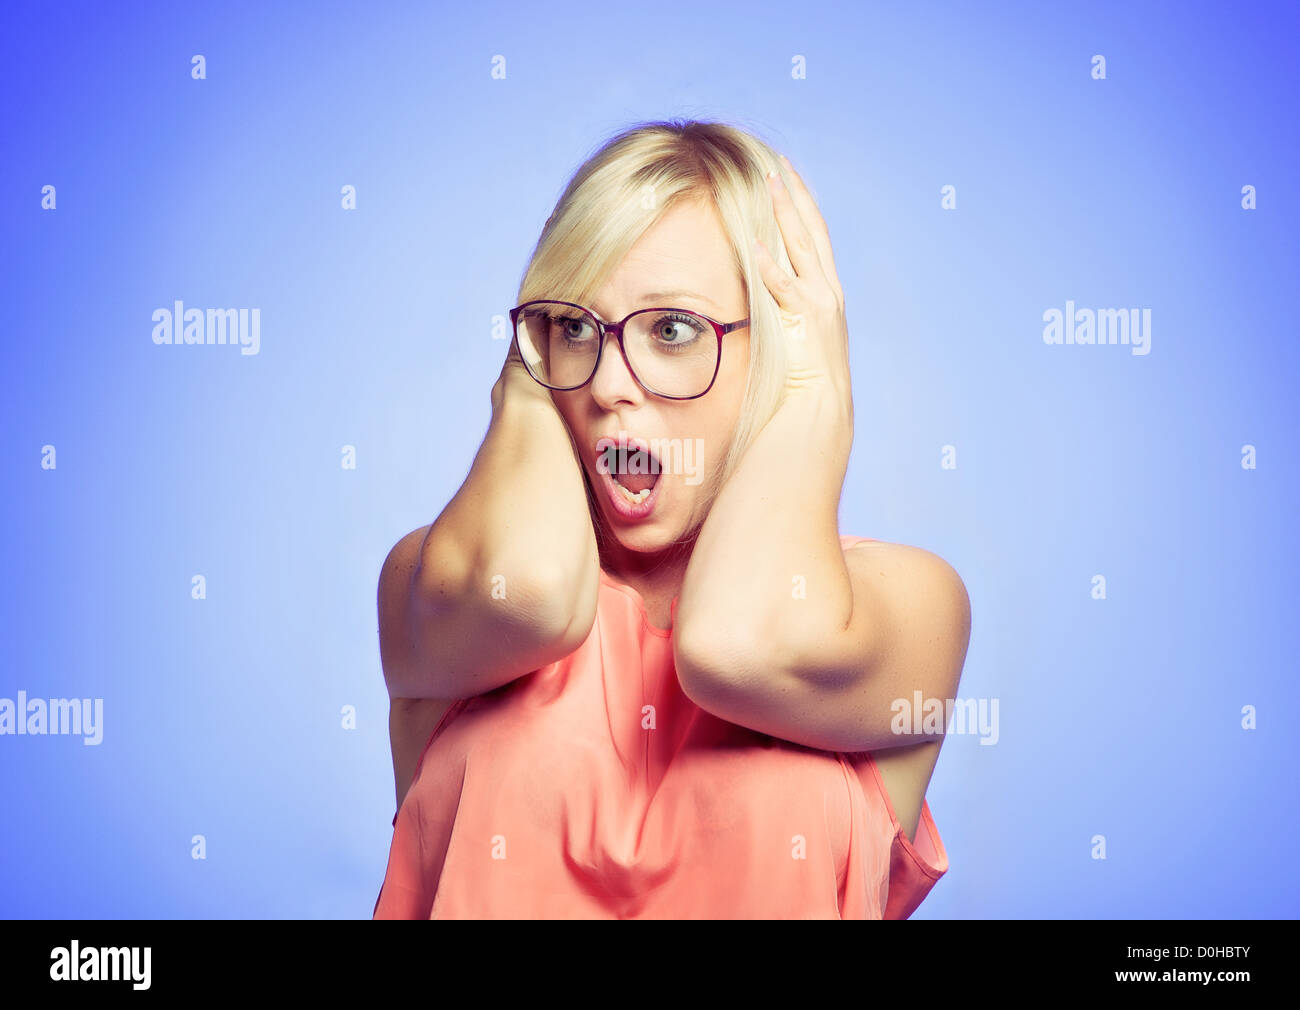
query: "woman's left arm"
777, 627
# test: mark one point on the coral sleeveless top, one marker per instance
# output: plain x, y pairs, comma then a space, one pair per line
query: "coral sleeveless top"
593, 788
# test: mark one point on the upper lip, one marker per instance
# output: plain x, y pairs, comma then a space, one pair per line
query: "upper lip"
631, 444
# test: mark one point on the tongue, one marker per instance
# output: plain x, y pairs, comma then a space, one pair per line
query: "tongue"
635, 482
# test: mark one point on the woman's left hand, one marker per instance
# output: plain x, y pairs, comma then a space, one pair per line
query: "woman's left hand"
811, 303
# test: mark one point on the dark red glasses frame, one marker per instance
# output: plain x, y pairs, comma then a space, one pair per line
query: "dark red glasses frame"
604, 328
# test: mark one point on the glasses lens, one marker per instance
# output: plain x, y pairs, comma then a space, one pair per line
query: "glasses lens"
674, 352
558, 343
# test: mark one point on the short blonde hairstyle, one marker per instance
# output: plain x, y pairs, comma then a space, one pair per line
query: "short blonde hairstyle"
619, 192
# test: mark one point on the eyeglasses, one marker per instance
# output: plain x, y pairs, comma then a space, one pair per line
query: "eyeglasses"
672, 353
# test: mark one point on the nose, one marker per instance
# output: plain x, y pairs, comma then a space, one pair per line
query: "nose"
613, 382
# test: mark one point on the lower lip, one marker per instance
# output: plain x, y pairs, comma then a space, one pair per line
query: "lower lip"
626, 509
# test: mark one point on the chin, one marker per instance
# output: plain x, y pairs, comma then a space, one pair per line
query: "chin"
644, 538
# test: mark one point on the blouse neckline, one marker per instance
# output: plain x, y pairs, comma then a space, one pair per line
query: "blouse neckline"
637, 599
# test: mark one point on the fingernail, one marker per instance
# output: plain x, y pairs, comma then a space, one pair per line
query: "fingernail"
775, 176
786, 161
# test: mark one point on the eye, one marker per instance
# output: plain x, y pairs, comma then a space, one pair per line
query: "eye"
571, 328
677, 328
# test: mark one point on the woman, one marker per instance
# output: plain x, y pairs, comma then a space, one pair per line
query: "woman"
635, 670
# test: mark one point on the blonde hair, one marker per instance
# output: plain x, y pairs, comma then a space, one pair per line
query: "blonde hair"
618, 193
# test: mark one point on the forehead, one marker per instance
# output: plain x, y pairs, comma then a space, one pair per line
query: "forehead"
685, 251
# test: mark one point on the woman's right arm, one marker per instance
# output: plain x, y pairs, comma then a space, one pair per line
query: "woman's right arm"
505, 580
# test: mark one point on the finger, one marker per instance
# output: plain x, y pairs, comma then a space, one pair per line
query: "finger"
799, 243
813, 220
776, 277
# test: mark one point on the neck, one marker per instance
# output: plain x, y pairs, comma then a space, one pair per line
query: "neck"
651, 573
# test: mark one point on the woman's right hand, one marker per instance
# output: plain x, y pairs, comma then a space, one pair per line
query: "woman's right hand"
515, 378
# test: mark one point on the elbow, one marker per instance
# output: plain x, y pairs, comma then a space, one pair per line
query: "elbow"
522, 617
712, 665
707, 665
541, 604
454, 627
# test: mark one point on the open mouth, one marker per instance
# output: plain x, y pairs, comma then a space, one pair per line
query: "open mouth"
631, 465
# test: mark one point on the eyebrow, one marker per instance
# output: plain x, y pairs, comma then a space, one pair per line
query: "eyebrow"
678, 293
659, 299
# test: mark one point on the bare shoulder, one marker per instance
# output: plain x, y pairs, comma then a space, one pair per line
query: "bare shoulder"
396, 645
919, 605
923, 625
398, 569
905, 569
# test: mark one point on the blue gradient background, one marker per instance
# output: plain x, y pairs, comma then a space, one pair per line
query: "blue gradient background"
222, 717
